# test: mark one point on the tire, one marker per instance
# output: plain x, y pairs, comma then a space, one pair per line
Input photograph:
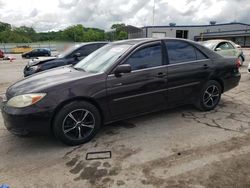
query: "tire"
241, 60
27, 56
77, 123
210, 96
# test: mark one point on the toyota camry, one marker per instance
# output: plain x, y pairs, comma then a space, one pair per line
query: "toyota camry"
118, 81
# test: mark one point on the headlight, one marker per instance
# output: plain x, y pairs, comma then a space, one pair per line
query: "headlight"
25, 100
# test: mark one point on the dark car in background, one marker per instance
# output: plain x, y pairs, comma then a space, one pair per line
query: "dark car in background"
118, 81
37, 53
71, 56
1, 54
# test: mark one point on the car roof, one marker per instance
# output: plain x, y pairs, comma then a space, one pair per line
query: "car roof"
217, 40
144, 40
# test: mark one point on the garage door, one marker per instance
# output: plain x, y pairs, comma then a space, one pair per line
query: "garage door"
159, 35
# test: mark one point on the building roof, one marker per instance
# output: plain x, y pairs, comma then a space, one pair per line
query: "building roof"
208, 25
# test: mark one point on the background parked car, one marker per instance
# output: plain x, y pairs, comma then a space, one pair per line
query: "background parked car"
37, 53
71, 56
118, 81
1, 54
225, 48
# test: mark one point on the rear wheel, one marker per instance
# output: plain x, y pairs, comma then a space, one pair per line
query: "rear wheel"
210, 96
77, 123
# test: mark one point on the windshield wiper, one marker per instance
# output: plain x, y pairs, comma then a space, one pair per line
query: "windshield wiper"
78, 68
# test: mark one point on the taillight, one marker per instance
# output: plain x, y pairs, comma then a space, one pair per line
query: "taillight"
238, 63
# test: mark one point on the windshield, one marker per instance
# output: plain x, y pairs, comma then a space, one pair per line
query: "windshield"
209, 45
103, 58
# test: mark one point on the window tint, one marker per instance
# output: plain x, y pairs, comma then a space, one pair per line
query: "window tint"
86, 50
200, 55
146, 58
179, 51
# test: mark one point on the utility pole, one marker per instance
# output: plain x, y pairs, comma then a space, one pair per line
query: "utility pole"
153, 12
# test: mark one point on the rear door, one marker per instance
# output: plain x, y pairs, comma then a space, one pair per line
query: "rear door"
188, 69
142, 90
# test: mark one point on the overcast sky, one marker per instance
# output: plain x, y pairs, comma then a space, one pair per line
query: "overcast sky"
47, 15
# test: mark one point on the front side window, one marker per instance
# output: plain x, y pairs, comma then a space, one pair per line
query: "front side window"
179, 51
146, 58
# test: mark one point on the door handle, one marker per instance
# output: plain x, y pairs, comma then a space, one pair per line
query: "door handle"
161, 74
205, 66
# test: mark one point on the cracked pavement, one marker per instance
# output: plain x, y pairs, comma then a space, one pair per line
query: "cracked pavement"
182, 147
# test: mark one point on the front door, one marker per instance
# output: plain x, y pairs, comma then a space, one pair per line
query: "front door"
142, 90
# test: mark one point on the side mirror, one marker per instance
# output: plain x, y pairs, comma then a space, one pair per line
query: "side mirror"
237, 46
77, 55
125, 68
218, 49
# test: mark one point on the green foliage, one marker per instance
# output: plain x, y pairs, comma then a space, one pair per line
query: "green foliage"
76, 33
120, 33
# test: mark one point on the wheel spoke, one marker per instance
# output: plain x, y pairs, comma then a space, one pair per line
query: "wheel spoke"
207, 92
215, 95
212, 100
84, 116
213, 89
207, 100
72, 117
89, 126
79, 132
68, 130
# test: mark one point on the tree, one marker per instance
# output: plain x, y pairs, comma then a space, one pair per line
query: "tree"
118, 27
120, 32
74, 33
122, 35
4, 27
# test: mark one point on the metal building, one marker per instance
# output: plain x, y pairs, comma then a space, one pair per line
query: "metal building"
235, 31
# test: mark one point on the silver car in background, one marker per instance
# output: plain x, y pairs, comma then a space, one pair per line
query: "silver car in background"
225, 48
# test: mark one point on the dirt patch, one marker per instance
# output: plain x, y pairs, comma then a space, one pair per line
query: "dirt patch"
231, 173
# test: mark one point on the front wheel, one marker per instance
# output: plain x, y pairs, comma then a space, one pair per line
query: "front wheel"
77, 123
210, 96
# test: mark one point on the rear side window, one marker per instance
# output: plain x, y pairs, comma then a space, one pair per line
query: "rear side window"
200, 55
179, 52
146, 58
225, 46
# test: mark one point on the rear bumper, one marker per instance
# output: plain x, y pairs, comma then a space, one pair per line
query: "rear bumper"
232, 81
22, 121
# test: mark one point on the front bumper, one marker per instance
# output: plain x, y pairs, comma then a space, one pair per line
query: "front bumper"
25, 120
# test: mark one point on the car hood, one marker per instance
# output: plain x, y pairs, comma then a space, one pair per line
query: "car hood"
44, 80
38, 61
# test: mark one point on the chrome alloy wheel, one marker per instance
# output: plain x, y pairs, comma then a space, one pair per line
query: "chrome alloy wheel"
78, 124
211, 96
